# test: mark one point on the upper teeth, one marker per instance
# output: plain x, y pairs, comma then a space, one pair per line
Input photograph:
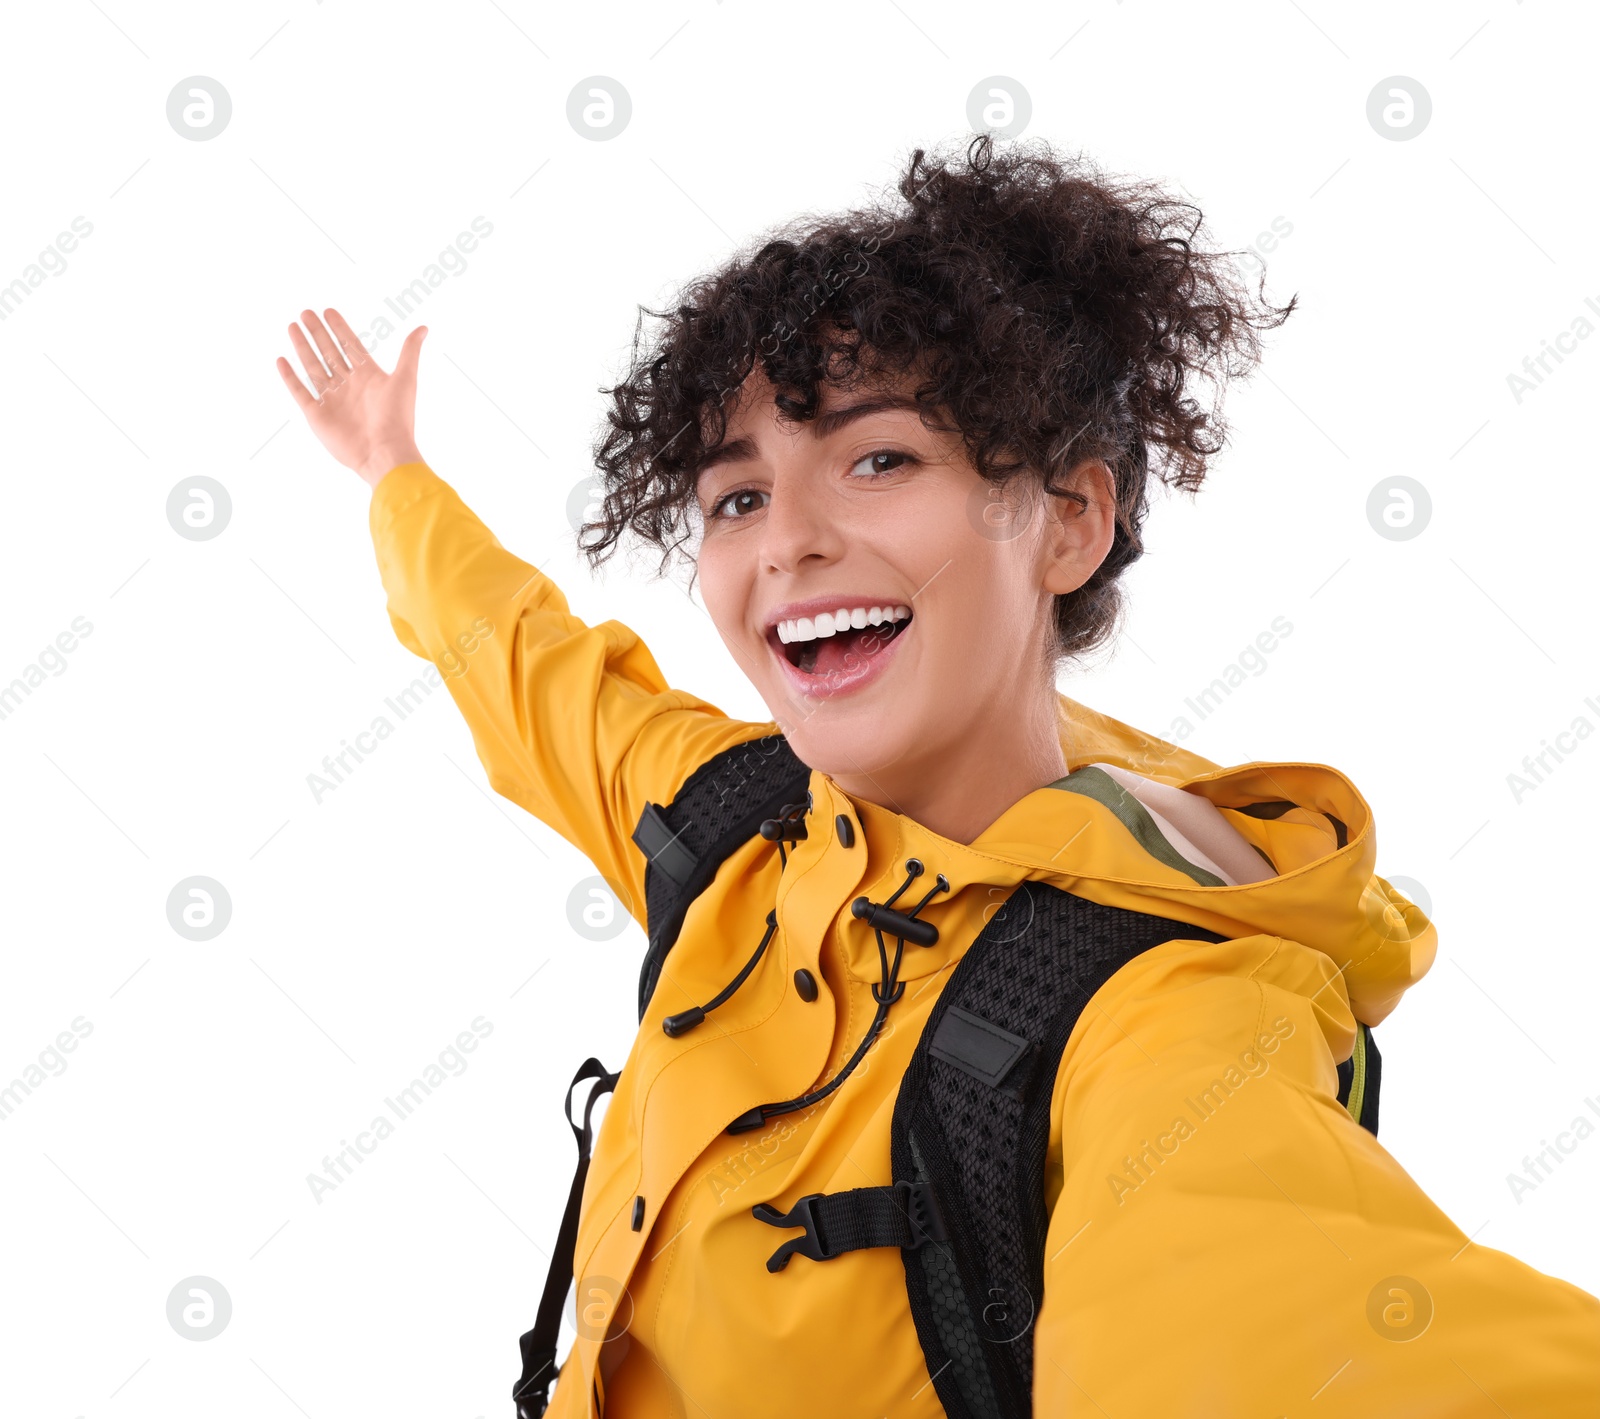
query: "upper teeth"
809, 628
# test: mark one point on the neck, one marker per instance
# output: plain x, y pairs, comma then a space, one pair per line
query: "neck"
958, 795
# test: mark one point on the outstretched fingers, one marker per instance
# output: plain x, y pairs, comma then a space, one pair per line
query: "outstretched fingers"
302, 396
349, 341
327, 347
362, 415
310, 361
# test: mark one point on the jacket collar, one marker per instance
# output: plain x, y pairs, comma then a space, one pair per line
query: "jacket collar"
1309, 819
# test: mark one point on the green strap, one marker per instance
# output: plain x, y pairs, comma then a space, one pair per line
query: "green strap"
1099, 785
1358, 1077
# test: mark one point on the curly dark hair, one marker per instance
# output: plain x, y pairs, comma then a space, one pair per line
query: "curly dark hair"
1050, 314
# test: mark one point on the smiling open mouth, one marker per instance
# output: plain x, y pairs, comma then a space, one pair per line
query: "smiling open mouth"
837, 643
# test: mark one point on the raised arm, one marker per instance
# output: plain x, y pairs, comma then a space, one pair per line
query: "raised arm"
574, 723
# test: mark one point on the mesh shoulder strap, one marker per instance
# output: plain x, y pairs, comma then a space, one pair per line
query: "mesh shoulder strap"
719, 807
969, 1135
968, 1139
972, 1122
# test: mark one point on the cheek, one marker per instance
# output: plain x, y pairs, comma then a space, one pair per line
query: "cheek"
987, 602
931, 542
724, 582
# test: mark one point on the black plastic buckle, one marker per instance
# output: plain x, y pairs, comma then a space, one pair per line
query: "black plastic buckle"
802, 1214
915, 1200
532, 1391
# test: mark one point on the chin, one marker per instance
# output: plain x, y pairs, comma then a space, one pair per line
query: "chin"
835, 741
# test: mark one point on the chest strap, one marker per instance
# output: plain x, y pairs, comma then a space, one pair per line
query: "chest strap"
901, 1215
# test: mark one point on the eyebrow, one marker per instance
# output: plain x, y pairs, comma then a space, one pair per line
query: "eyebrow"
742, 450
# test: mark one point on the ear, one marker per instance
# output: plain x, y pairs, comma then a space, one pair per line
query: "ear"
1077, 539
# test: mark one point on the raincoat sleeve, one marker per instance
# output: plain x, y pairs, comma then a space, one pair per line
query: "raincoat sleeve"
1225, 1239
572, 722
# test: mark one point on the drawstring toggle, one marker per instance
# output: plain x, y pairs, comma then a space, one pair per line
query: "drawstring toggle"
882, 916
921, 933
788, 827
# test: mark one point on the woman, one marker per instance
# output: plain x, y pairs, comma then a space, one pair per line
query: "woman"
907, 450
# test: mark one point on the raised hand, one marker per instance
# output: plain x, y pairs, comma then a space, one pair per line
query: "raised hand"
364, 417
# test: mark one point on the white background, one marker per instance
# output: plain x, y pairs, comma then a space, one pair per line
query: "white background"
371, 928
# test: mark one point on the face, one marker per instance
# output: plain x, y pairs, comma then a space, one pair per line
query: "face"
892, 607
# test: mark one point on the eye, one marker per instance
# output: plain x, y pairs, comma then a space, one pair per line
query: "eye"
743, 501
877, 469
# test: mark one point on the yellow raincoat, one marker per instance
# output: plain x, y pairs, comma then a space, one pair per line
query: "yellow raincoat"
1225, 1240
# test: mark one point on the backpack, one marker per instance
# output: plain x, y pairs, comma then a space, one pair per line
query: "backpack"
972, 1117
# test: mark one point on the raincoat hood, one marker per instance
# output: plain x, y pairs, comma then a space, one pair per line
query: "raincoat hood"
1308, 819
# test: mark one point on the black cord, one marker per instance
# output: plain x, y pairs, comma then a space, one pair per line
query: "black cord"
750, 965
686, 1020
888, 990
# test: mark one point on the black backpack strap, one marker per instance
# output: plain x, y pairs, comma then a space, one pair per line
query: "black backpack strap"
990, 1054
532, 1390
720, 806
968, 1139
1359, 1078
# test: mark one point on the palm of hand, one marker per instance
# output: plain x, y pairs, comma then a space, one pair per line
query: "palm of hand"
363, 416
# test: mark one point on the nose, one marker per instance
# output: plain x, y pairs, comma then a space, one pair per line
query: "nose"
799, 531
